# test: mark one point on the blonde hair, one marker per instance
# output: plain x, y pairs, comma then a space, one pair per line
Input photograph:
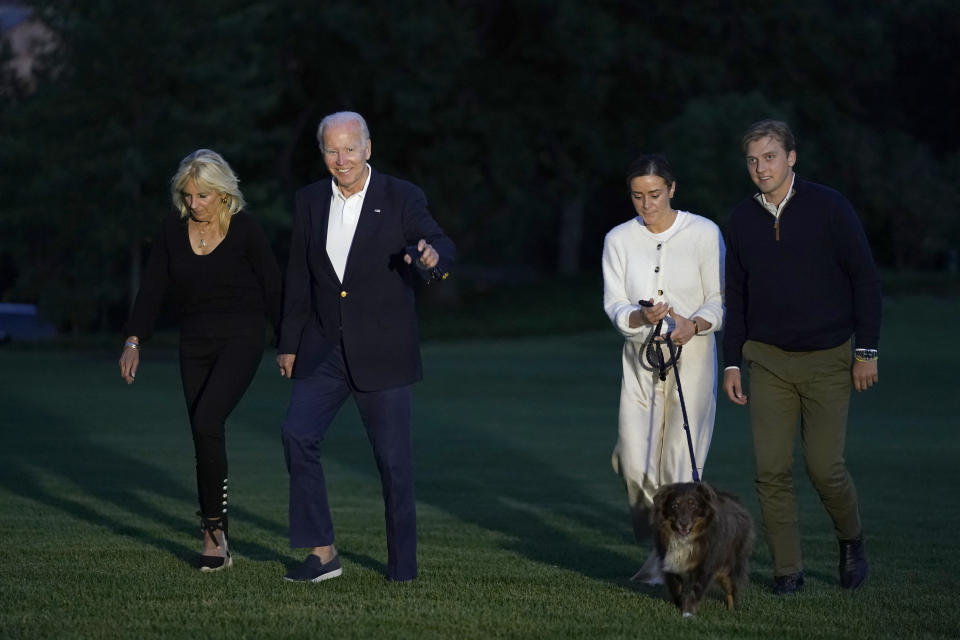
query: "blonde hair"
208, 170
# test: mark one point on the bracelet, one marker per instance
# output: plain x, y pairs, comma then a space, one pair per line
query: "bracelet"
866, 355
132, 345
696, 327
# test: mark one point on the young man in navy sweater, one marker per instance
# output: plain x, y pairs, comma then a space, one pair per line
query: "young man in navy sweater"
801, 285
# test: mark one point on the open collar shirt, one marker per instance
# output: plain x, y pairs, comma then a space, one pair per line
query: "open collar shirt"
342, 223
775, 209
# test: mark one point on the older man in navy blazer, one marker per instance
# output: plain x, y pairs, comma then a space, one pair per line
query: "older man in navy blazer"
350, 329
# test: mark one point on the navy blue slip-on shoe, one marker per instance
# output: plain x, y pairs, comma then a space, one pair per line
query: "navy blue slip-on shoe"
314, 570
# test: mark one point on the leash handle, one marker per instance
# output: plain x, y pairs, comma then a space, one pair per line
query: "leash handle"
654, 354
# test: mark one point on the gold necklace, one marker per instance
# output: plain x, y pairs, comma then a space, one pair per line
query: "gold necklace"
201, 228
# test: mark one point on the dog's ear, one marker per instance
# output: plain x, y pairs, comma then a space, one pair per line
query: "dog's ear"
708, 500
661, 498
709, 495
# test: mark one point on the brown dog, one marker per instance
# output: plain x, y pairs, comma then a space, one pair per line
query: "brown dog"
702, 535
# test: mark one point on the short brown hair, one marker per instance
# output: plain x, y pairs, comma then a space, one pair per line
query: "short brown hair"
772, 128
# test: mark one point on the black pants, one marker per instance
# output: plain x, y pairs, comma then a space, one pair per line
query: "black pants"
215, 374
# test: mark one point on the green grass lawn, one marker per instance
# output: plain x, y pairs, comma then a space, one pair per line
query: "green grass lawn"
523, 525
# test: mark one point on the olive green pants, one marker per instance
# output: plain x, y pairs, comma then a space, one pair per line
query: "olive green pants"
811, 388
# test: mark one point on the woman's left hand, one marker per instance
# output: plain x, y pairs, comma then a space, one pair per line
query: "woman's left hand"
129, 361
683, 331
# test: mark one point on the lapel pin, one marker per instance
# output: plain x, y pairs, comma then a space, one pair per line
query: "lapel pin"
376, 210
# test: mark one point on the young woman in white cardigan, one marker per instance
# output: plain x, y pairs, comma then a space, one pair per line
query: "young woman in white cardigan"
672, 260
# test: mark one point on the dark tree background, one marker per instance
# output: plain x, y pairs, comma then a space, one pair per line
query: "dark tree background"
516, 117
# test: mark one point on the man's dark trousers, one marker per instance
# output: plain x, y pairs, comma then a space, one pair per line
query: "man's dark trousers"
387, 417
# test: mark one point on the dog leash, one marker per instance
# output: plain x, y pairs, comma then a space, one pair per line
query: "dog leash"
683, 407
655, 359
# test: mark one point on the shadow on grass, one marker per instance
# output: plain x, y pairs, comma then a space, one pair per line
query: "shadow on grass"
364, 561
529, 516
497, 447
525, 513
521, 498
54, 462
507, 485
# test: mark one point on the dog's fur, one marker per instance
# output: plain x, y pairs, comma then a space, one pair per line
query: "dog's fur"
701, 535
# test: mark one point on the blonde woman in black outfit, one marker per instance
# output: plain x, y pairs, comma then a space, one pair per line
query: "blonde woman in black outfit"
213, 261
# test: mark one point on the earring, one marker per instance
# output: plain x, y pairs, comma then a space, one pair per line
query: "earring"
223, 201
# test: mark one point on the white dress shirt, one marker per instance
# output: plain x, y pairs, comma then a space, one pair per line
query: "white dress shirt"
342, 224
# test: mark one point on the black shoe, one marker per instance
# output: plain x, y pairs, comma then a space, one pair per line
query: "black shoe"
214, 563
788, 584
853, 563
314, 570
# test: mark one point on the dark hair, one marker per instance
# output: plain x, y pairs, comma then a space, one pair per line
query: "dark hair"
653, 164
772, 128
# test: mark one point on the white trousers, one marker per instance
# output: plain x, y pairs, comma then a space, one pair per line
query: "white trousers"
652, 449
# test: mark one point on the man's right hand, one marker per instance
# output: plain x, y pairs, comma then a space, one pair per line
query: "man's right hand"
733, 387
285, 362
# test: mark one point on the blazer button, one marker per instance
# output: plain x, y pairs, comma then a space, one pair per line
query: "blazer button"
343, 294
659, 292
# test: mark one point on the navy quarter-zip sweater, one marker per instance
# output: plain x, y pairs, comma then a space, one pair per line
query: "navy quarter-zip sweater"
809, 284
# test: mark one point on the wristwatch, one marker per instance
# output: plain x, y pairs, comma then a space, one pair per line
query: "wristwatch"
866, 355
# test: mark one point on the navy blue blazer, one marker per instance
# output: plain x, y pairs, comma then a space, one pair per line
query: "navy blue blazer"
372, 310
